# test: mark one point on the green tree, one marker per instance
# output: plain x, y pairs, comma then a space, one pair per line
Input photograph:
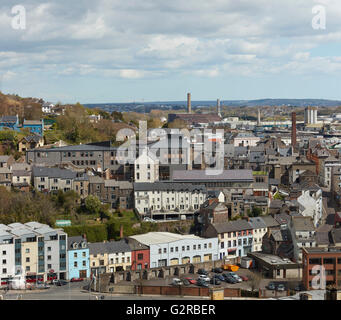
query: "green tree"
93, 205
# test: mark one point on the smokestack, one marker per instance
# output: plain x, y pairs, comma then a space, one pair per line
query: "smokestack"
258, 121
218, 107
189, 107
293, 129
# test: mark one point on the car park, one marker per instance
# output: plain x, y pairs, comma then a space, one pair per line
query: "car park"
204, 277
217, 270
203, 271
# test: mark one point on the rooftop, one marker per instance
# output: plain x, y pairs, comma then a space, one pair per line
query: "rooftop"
151, 238
215, 175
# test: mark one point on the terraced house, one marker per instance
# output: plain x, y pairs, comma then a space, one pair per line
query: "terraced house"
78, 257
165, 199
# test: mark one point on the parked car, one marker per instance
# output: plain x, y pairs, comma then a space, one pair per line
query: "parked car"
217, 270
219, 277
202, 283
147, 219
185, 282
203, 271
204, 277
215, 281
229, 278
271, 286
177, 282
42, 286
244, 278
234, 275
55, 281
299, 287
77, 279
280, 287
191, 280
61, 283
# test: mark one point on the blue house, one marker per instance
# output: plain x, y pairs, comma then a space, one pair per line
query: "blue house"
35, 126
244, 238
10, 122
78, 257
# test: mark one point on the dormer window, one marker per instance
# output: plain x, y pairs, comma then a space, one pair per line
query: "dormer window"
75, 245
83, 245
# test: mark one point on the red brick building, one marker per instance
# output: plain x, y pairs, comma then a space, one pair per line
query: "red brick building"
329, 258
140, 255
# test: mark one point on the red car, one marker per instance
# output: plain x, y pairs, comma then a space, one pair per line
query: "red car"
191, 281
244, 278
77, 279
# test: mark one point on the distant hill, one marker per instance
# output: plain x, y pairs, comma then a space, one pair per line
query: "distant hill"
177, 105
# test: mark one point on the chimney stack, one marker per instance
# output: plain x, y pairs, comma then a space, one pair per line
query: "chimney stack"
218, 108
84, 236
293, 129
189, 107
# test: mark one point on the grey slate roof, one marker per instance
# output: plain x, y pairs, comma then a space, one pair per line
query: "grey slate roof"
53, 173
118, 184
108, 247
270, 221
303, 224
204, 175
164, 186
257, 223
8, 119
232, 226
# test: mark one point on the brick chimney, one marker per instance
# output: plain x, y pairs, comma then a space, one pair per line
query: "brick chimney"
121, 231
84, 236
189, 106
293, 129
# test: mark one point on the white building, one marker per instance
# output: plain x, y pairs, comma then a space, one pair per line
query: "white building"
47, 107
245, 140
310, 115
259, 230
146, 168
302, 234
7, 257
167, 249
166, 198
310, 205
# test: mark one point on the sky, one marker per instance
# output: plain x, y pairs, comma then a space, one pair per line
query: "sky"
158, 50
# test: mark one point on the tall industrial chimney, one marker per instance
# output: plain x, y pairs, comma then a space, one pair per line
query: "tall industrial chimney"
189, 107
293, 129
218, 108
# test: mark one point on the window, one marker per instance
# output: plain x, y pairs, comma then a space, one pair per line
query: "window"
176, 249
49, 266
222, 245
199, 246
4, 252
194, 247
75, 264
27, 250
4, 270
84, 254
210, 245
48, 257
172, 249
27, 259
128, 259
140, 256
160, 251
123, 259
183, 248
28, 268
48, 248
164, 250
84, 263
205, 246
4, 261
